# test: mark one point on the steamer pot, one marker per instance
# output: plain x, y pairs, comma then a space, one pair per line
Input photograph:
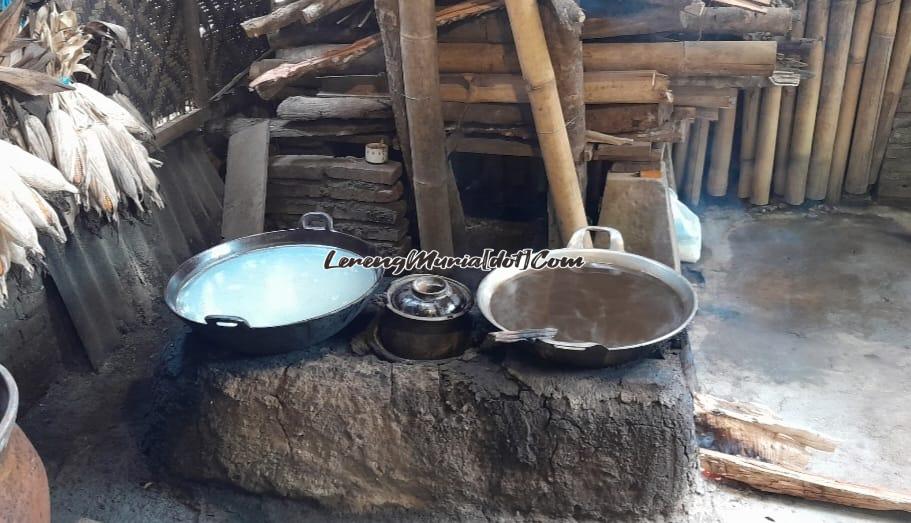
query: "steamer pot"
237, 333
426, 318
593, 354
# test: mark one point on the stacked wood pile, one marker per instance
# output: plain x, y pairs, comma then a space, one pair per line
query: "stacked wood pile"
643, 86
366, 200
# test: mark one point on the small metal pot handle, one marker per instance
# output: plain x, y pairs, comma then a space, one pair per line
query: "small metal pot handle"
308, 219
229, 322
578, 239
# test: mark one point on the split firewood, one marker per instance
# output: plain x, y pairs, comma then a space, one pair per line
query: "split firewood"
756, 431
776, 479
304, 11
596, 137
272, 82
343, 108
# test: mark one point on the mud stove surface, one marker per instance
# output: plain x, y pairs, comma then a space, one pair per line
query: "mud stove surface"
489, 435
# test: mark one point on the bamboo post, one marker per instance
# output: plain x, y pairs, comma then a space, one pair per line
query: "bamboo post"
749, 125
857, 177
680, 150
387, 15
425, 123
534, 59
807, 103
838, 42
786, 116
898, 68
722, 142
857, 57
765, 145
696, 161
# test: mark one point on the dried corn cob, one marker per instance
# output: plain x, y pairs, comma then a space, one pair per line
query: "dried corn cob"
16, 224
39, 142
39, 212
106, 110
67, 147
18, 256
35, 172
122, 166
102, 194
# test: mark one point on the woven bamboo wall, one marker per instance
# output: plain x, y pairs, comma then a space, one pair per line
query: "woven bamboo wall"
154, 73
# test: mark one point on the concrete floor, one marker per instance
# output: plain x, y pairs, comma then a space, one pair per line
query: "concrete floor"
805, 312
809, 313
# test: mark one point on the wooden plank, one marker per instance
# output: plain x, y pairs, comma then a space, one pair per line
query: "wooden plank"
326, 129
174, 129
769, 477
196, 64
245, 182
315, 167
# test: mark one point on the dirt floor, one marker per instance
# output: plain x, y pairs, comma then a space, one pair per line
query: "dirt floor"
803, 311
807, 312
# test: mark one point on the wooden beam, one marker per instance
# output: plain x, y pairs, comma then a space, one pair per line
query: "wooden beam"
425, 126
196, 65
178, 127
245, 182
703, 20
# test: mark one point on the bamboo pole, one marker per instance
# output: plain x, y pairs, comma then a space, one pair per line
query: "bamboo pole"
898, 69
841, 22
879, 52
722, 142
786, 116
765, 145
425, 123
807, 103
857, 57
748, 128
680, 151
704, 58
696, 161
534, 58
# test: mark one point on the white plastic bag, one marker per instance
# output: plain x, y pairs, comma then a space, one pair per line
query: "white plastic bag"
688, 229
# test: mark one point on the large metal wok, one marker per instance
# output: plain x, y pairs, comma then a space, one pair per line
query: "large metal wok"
244, 335
507, 306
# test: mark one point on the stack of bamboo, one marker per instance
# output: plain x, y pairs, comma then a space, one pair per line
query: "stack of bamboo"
650, 79
830, 134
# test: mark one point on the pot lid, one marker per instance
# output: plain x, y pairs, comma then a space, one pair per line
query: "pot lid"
429, 296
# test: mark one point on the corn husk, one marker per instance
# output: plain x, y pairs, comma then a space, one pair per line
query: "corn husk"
39, 212
101, 190
106, 110
39, 142
18, 256
139, 158
121, 165
67, 147
16, 224
35, 172
18, 139
5, 265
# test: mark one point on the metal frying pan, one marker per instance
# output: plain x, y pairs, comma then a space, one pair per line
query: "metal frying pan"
605, 307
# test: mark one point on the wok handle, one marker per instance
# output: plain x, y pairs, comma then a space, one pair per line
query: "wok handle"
578, 239
227, 321
308, 219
